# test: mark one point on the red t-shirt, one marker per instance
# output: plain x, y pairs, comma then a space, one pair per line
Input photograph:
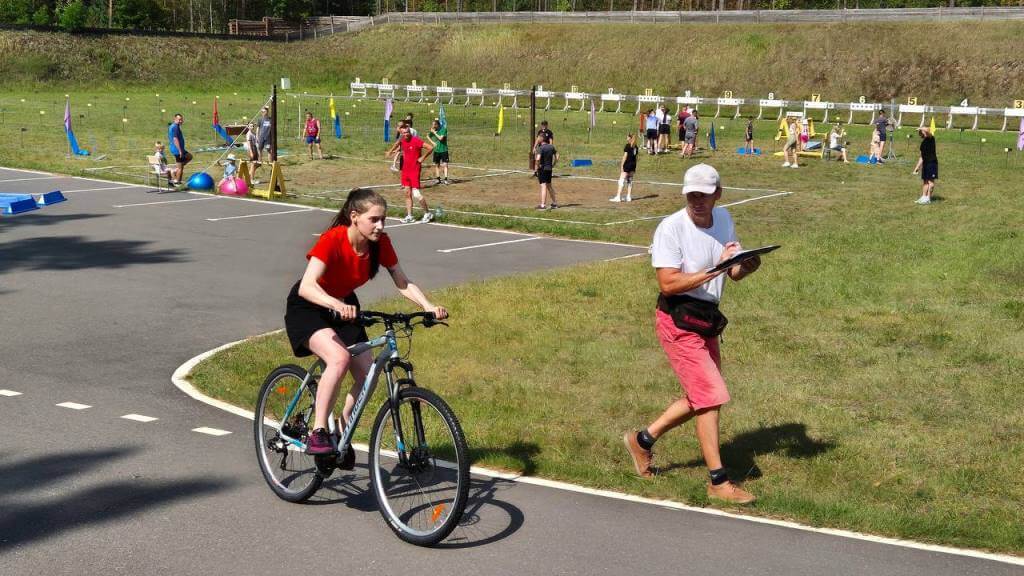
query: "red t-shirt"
411, 151
346, 270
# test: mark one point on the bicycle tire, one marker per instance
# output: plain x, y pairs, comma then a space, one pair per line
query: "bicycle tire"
420, 525
290, 472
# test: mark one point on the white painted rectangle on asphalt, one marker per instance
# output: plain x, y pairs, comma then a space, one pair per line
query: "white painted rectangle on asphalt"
108, 188
211, 431
9, 393
139, 418
27, 179
74, 405
166, 202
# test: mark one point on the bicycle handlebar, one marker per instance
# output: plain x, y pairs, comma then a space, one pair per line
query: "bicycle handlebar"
370, 317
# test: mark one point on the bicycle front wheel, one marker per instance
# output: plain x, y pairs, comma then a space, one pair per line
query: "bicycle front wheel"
422, 481
284, 419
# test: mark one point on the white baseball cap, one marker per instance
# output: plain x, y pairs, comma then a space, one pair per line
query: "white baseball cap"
701, 178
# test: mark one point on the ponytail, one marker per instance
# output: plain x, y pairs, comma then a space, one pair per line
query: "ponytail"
360, 200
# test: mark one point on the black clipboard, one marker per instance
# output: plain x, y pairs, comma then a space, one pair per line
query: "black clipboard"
744, 255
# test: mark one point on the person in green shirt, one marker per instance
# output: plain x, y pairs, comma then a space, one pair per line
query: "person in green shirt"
439, 138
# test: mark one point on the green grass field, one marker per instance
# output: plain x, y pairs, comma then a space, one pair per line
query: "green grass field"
874, 362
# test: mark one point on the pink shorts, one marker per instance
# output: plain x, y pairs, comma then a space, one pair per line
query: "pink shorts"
411, 179
696, 362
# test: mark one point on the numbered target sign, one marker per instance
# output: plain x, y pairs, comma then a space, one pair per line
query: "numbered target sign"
912, 100
648, 92
862, 100
508, 85
817, 98
771, 95
385, 81
727, 94
1018, 104
575, 88
444, 83
963, 103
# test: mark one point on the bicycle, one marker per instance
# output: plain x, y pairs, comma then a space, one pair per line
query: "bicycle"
418, 457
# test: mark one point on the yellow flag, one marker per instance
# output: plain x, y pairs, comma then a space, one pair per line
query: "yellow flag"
931, 127
333, 113
501, 119
783, 129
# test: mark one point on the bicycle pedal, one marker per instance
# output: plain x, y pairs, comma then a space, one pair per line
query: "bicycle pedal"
348, 461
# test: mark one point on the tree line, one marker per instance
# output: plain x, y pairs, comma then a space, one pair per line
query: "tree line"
211, 16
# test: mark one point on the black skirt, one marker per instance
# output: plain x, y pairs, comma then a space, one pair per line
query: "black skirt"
303, 318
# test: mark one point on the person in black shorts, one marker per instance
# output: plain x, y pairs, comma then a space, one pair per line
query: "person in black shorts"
546, 159
664, 129
927, 166
322, 306
629, 157
881, 126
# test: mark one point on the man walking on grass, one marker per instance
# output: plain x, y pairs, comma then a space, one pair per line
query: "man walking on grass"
686, 246
176, 139
413, 151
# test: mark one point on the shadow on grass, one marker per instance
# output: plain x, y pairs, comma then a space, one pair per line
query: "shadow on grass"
523, 452
740, 453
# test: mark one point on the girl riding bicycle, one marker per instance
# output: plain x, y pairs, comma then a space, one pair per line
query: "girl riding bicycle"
322, 306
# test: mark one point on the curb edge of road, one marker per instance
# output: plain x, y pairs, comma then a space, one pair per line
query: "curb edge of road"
179, 375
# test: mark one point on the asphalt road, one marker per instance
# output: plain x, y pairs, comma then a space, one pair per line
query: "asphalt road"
103, 296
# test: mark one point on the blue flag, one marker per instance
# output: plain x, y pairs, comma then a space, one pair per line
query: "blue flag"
441, 118
711, 138
336, 118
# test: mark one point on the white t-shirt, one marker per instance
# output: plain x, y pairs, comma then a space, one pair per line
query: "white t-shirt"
663, 117
680, 244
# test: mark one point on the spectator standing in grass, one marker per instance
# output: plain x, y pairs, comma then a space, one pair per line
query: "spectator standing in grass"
439, 138
252, 144
874, 156
686, 245
651, 132
628, 169
414, 151
691, 125
311, 132
881, 126
927, 165
789, 149
546, 159
748, 137
176, 140
266, 127
664, 128
684, 113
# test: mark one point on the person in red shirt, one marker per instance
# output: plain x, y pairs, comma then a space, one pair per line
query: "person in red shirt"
413, 150
322, 305
311, 132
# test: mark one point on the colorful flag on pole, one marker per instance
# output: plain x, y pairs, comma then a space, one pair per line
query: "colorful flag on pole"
388, 109
336, 119
593, 115
72, 141
501, 120
931, 127
711, 138
441, 117
1020, 135
217, 127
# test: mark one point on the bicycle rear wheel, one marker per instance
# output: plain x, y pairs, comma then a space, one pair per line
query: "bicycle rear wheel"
421, 486
289, 471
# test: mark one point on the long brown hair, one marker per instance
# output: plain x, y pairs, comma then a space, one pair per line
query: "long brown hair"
360, 200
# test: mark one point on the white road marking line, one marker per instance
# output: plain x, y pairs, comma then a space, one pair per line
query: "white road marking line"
450, 250
9, 393
515, 217
139, 418
211, 431
258, 215
27, 179
166, 202
178, 378
756, 198
109, 188
74, 405
624, 257
27, 171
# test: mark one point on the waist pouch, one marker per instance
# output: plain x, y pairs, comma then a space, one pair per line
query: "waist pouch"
693, 314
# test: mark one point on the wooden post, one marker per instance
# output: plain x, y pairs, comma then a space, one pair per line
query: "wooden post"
533, 125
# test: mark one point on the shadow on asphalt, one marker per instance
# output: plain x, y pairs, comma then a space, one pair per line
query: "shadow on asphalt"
487, 518
740, 453
78, 252
43, 219
38, 520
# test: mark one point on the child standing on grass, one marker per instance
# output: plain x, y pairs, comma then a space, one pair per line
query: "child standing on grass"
748, 137
628, 166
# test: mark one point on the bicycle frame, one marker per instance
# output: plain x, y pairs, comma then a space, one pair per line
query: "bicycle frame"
385, 363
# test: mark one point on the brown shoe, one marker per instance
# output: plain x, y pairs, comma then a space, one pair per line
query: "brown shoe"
641, 457
730, 493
